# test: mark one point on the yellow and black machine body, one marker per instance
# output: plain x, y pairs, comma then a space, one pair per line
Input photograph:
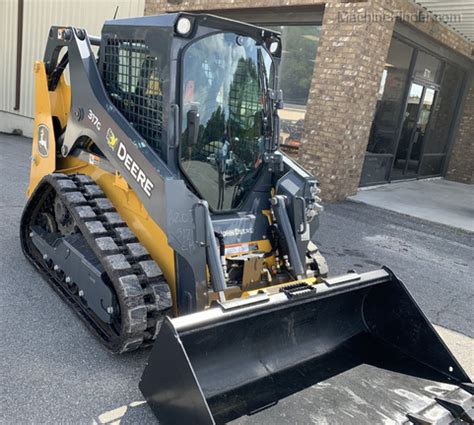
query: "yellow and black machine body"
163, 212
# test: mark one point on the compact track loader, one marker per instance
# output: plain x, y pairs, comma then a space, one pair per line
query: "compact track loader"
163, 212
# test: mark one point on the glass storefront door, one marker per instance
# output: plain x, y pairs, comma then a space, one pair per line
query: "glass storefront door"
414, 116
418, 142
413, 136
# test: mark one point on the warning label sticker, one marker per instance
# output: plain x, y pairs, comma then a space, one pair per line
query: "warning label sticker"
240, 248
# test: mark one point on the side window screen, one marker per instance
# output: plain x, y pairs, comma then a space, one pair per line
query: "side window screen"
132, 79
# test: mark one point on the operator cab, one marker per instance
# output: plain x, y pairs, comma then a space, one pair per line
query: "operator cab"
219, 77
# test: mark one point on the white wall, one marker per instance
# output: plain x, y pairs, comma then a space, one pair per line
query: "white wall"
8, 28
38, 17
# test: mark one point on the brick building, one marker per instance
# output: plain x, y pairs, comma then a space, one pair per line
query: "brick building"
375, 91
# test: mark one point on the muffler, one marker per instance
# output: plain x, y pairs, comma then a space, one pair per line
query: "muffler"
247, 354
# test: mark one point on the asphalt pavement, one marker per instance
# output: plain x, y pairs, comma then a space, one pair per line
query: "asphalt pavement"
53, 371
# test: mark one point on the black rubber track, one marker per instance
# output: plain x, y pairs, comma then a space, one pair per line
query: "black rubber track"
142, 295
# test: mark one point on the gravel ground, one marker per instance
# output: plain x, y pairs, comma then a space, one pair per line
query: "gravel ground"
53, 371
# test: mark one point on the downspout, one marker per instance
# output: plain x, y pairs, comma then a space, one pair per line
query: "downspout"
19, 48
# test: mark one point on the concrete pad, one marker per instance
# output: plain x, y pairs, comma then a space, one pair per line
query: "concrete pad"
439, 201
461, 346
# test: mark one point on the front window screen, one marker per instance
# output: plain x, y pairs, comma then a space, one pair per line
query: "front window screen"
225, 80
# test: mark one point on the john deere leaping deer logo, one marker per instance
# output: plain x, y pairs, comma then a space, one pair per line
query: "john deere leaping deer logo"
43, 140
111, 138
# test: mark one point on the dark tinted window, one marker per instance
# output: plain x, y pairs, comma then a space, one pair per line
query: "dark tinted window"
384, 131
390, 98
299, 47
427, 67
445, 108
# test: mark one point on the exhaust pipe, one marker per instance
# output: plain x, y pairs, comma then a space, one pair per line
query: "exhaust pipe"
234, 360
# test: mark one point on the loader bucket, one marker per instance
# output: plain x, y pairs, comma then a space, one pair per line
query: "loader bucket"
235, 360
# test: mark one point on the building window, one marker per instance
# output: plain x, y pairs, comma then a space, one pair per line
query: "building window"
427, 67
384, 132
443, 116
300, 43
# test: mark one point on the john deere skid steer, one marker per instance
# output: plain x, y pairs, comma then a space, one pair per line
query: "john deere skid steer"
163, 212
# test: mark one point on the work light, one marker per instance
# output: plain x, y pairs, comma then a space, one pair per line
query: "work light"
274, 47
183, 26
